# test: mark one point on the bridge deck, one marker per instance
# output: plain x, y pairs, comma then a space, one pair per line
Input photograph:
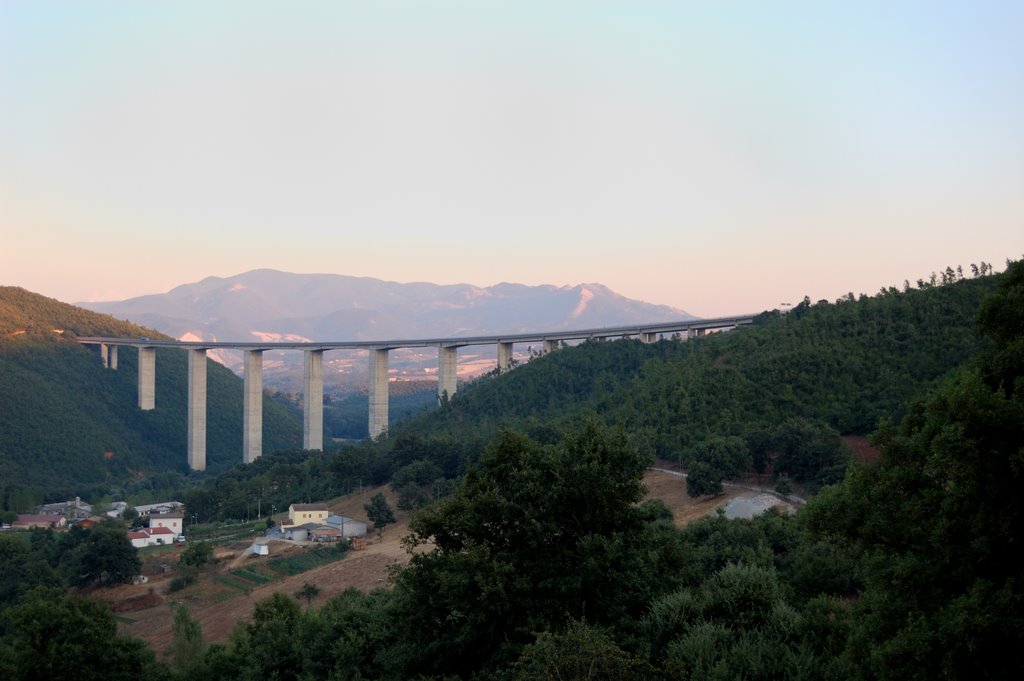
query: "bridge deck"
313, 383
449, 342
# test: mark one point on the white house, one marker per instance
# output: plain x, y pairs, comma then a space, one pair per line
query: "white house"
151, 536
173, 521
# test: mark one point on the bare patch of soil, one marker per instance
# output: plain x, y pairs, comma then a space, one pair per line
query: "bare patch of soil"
863, 452
670, 488
145, 601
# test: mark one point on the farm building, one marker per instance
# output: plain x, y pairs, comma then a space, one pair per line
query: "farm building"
301, 514
298, 532
28, 521
349, 527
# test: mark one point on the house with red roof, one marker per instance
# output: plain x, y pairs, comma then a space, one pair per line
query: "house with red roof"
170, 520
151, 536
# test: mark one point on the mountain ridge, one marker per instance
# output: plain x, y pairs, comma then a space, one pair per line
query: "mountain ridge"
267, 303
332, 306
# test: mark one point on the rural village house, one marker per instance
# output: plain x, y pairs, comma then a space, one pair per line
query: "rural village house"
315, 522
27, 521
151, 536
72, 508
172, 521
302, 514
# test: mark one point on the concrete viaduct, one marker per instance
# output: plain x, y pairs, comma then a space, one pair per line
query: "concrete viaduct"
313, 416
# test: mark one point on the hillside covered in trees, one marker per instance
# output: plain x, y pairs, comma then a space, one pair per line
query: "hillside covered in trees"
68, 426
774, 396
541, 561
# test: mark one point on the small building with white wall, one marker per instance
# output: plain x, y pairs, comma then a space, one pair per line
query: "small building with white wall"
151, 536
172, 521
349, 526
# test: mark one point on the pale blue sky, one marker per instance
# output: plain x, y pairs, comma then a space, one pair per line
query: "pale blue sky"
722, 157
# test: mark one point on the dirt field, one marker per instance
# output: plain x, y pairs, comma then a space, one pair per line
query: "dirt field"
147, 610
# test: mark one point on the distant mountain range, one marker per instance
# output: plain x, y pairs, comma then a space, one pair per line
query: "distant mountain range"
265, 304
271, 305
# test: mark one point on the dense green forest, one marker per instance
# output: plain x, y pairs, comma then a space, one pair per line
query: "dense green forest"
849, 364
70, 427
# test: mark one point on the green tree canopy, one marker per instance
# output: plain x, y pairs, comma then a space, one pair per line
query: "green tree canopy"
379, 511
105, 556
936, 525
52, 635
197, 554
534, 535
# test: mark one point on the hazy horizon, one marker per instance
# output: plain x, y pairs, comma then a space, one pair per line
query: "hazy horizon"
715, 157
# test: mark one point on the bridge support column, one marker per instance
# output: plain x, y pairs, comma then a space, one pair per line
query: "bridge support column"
504, 357
147, 378
313, 401
648, 337
547, 347
378, 392
104, 355
197, 409
252, 409
113, 357
447, 367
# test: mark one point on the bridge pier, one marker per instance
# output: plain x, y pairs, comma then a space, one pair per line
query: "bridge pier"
252, 409
447, 371
313, 400
504, 357
378, 424
197, 409
378, 388
147, 378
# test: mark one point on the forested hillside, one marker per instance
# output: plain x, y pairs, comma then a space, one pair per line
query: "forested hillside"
775, 394
847, 364
542, 561
68, 426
